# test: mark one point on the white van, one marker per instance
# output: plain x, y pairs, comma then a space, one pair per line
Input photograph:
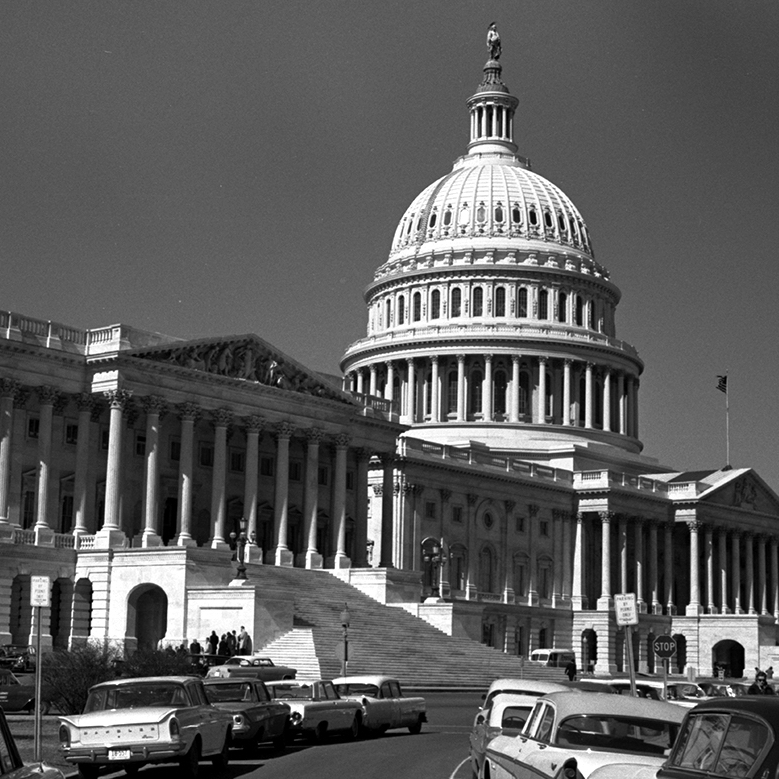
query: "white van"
553, 658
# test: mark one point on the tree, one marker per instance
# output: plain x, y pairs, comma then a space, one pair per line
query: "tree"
67, 674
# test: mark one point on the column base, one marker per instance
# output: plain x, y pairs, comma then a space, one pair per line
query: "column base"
532, 598
432, 599
657, 608
641, 606
508, 595
693, 610
671, 610
712, 610
284, 557
182, 540
578, 603
338, 561
311, 560
725, 610
218, 543
151, 540
605, 603
471, 593
110, 538
44, 536
252, 554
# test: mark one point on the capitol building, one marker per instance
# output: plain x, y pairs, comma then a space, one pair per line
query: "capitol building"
478, 463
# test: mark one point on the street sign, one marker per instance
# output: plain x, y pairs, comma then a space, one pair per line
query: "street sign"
40, 591
626, 608
664, 646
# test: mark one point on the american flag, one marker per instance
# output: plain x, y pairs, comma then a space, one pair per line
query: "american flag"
722, 383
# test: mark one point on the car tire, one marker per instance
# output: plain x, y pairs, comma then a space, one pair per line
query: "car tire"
416, 728
354, 730
320, 732
189, 764
131, 769
223, 758
88, 770
281, 741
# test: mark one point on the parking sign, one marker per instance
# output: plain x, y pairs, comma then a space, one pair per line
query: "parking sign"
40, 591
626, 609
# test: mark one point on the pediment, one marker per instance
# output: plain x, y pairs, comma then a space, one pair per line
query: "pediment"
244, 358
743, 490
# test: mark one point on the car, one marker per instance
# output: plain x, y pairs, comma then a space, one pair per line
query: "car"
257, 717
254, 666
732, 737
383, 704
11, 765
652, 689
686, 693
19, 658
317, 709
723, 687
16, 694
506, 714
552, 658
570, 734
128, 723
521, 687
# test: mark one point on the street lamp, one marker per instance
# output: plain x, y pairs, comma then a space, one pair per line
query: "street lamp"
345, 622
434, 556
239, 544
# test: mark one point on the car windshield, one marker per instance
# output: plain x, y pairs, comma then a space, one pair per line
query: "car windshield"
133, 696
369, 690
236, 691
721, 743
302, 691
617, 733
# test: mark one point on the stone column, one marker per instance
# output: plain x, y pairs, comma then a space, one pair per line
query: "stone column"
711, 607
47, 397
471, 586
567, 391
541, 406
735, 564
621, 403
222, 419
85, 403
514, 409
722, 538
639, 541
750, 577
360, 559
387, 508
435, 391
341, 560
460, 387
154, 406
761, 578
312, 557
506, 557
253, 425
567, 561
189, 413
636, 383
8, 390
622, 527
389, 387
578, 600
654, 573
411, 392
557, 553
604, 602
284, 555
694, 606
486, 389
588, 392
669, 568
775, 575
360, 381
372, 383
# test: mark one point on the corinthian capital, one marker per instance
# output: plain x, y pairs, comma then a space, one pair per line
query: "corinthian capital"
154, 404
314, 435
9, 388
85, 401
48, 395
222, 417
254, 423
118, 398
188, 411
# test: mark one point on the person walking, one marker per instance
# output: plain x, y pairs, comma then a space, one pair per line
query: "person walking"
570, 670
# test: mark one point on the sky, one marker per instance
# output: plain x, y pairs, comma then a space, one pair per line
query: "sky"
226, 167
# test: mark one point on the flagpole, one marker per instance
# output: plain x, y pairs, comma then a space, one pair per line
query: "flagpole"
727, 427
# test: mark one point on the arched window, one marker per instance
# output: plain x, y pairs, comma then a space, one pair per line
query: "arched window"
543, 304
456, 302
522, 302
448, 217
524, 393
500, 387
481, 214
478, 301
476, 384
500, 301
516, 214
591, 315
417, 306
435, 304
388, 314
451, 392
431, 222
548, 219
499, 215
562, 310
533, 216
401, 310
579, 311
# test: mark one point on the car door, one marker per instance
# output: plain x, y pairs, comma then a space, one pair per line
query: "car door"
529, 755
391, 704
211, 723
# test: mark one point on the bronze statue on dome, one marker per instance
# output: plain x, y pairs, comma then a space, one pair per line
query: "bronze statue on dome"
493, 41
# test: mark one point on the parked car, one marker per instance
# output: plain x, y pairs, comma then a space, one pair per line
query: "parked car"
572, 734
257, 717
506, 715
383, 704
253, 666
723, 687
652, 689
16, 694
19, 658
11, 765
317, 709
729, 737
128, 723
552, 658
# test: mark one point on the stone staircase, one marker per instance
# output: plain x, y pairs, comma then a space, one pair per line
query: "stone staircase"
382, 639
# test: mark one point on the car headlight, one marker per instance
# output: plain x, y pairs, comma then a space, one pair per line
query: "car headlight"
296, 717
238, 720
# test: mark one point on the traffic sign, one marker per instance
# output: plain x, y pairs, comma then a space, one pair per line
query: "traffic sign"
664, 646
626, 609
40, 591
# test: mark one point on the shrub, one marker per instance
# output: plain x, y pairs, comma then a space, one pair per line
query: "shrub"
151, 662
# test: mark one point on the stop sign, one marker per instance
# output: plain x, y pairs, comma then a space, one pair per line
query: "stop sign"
665, 647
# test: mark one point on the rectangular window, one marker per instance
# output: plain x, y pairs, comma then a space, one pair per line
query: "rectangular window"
545, 589
28, 509
237, 460
266, 466
520, 524
323, 475
457, 514
33, 426
350, 480
103, 439
207, 455
66, 513
71, 433
175, 449
430, 510
140, 444
295, 470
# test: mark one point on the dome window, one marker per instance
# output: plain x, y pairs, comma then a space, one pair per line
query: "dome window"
408, 226
562, 310
543, 304
431, 222
561, 222
435, 304
548, 219
478, 301
388, 320
465, 216
457, 297
516, 214
476, 385
533, 216
500, 301
522, 303
419, 223
500, 390
401, 310
448, 216
499, 215
481, 214
579, 315
417, 306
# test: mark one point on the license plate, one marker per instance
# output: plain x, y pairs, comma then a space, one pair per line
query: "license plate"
119, 754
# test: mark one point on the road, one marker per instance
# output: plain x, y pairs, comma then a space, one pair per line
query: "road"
439, 752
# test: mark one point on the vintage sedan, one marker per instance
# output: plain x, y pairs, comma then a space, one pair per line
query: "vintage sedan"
571, 734
128, 723
727, 737
383, 704
317, 709
505, 715
257, 717
16, 694
11, 765
251, 666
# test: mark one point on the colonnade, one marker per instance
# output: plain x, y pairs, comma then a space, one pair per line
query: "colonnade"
504, 387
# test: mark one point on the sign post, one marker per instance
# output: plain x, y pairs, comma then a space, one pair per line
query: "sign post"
665, 649
626, 611
40, 598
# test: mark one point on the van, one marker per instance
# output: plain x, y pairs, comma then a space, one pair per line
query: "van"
552, 658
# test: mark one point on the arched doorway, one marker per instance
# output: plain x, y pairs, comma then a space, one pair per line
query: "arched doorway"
147, 617
728, 655
589, 650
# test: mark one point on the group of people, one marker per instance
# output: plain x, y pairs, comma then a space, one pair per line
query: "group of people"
230, 644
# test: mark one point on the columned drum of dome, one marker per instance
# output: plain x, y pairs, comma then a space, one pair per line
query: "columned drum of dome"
491, 320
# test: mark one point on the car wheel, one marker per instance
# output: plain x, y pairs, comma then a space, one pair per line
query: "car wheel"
223, 758
416, 727
190, 763
354, 730
87, 770
320, 732
131, 769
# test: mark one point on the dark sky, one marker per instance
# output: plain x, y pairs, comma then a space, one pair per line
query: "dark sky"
228, 167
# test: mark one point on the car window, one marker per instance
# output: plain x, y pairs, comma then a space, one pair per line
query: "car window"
196, 694
262, 693
386, 691
370, 690
489, 698
635, 735
535, 716
544, 731
329, 691
514, 717
394, 690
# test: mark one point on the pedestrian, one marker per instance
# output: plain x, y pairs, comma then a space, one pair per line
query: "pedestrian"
244, 642
194, 647
761, 686
213, 642
232, 643
223, 648
570, 669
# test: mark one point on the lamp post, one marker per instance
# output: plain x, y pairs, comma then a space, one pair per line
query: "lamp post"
345, 621
240, 547
434, 556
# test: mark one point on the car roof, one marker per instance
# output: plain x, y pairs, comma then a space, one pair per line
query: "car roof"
602, 703
505, 699
216, 680
147, 680
376, 679
531, 685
